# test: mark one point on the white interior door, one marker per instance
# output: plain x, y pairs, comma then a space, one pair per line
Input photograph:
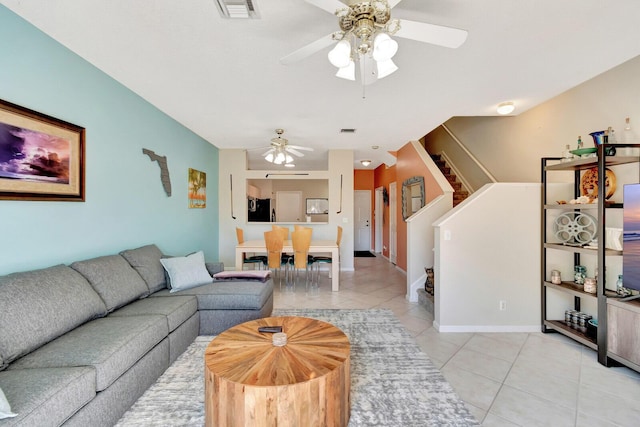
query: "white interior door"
377, 215
393, 223
362, 232
289, 206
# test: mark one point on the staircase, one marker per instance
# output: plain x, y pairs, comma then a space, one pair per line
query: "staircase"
458, 193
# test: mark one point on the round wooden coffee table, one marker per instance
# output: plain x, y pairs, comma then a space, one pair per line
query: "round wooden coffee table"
249, 381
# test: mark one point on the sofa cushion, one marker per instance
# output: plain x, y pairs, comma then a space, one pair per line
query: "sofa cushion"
110, 344
40, 305
113, 279
146, 261
47, 396
177, 309
236, 295
186, 272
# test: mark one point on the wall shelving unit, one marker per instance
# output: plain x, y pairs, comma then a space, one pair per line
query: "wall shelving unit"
618, 335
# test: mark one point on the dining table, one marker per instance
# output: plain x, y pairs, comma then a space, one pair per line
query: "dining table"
317, 247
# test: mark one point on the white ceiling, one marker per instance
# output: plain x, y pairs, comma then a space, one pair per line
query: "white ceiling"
222, 78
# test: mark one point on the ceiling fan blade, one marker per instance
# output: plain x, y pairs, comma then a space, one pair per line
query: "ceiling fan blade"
308, 50
293, 151
297, 147
329, 5
430, 33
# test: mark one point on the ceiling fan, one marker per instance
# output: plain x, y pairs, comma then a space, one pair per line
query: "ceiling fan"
364, 36
280, 151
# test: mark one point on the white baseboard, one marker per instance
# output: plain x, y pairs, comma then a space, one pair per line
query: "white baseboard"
486, 328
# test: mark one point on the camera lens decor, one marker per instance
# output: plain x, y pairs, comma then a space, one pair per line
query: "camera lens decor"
575, 228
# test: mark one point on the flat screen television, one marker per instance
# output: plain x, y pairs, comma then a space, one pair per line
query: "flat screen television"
631, 237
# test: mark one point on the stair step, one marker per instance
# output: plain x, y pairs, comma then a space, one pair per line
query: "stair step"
457, 186
451, 178
435, 157
446, 170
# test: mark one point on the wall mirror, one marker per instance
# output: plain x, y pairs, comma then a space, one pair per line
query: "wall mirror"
412, 196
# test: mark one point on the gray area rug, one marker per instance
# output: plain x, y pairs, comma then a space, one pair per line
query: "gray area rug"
393, 383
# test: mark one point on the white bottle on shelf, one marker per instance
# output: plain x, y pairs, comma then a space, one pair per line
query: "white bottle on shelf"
566, 154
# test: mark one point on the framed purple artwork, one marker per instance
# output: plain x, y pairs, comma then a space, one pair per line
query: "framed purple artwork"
41, 157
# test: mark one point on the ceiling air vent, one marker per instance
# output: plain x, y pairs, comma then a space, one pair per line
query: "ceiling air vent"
237, 9
347, 130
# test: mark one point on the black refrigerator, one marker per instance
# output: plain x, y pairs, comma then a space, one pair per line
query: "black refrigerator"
262, 211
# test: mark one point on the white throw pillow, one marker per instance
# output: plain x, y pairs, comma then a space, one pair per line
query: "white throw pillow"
5, 409
186, 272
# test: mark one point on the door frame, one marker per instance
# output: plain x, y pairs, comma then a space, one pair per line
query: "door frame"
378, 215
393, 222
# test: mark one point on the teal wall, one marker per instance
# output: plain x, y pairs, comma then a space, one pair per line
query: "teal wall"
126, 205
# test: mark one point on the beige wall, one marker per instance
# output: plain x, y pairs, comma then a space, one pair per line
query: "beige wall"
510, 147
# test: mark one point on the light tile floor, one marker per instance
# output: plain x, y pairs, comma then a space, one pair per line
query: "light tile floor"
506, 379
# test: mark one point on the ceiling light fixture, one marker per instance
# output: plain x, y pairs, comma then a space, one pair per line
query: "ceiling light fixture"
280, 152
506, 108
365, 163
364, 37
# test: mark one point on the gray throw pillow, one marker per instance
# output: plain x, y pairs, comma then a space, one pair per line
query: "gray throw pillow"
5, 408
186, 272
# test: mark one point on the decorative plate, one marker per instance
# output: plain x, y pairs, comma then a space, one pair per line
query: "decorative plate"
589, 183
575, 228
583, 151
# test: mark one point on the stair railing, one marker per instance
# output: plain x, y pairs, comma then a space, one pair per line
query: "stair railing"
469, 154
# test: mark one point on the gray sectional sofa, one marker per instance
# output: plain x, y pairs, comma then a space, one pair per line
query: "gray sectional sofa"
80, 343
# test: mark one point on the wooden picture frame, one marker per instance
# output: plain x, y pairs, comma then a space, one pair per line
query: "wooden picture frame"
41, 157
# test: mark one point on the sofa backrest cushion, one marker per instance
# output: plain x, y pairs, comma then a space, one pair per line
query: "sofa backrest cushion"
113, 279
40, 305
146, 261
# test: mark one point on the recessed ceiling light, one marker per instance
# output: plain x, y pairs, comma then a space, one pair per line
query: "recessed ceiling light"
506, 108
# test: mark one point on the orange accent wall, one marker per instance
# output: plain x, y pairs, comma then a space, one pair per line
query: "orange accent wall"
408, 165
363, 179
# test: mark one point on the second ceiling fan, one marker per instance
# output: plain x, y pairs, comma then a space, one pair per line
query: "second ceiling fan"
364, 37
280, 151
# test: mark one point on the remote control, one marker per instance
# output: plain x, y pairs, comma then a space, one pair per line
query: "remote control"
270, 329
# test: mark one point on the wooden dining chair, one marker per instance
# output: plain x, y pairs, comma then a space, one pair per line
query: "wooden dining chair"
257, 261
317, 260
301, 260
285, 236
274, 242
283, 230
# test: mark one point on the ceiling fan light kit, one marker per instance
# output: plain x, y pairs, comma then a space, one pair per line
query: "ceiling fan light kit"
365, 34
280, 151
